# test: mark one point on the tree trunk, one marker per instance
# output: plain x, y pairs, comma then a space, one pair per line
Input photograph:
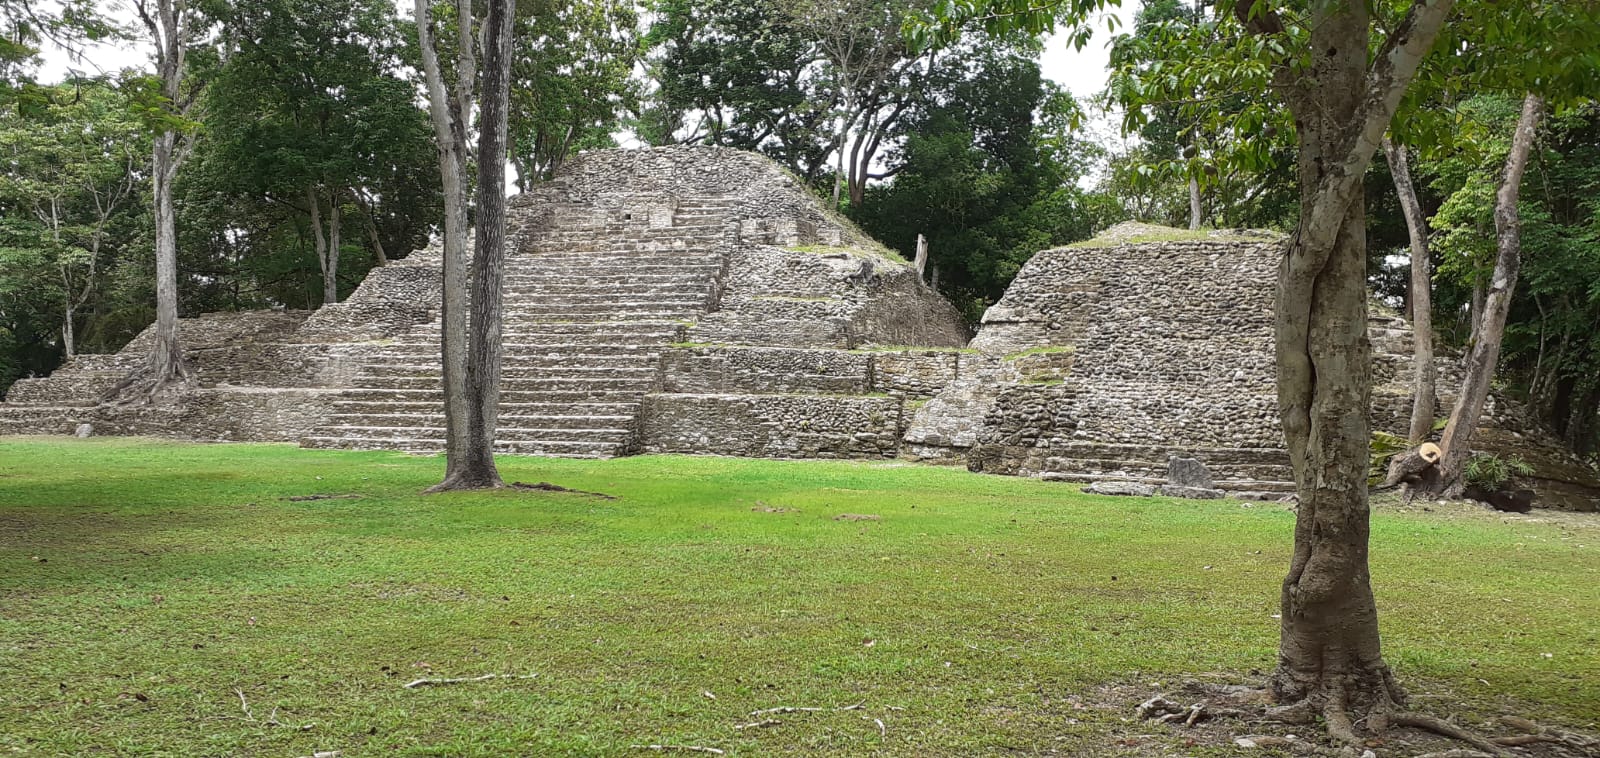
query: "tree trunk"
68, 340
1496, 305
1329, 656
169, 30
166, 359
165, 366
1194, 204
449, 112
1422, 403
477, 469
379, 257
326, 241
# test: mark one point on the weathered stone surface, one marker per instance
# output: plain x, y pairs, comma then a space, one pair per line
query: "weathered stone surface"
612, 268
1133, 489
84, 431
1188, 472
1109, 358
1191, 493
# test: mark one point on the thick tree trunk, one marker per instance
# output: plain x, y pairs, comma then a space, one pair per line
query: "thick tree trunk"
1329, 655
1491, 328
477, 469
449, 112
1423, 400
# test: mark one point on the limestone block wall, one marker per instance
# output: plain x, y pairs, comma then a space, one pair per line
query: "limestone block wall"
827, 297
771, 204
762, 370
773, 426
390, 301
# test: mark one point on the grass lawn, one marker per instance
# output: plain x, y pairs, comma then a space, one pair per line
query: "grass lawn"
145, 584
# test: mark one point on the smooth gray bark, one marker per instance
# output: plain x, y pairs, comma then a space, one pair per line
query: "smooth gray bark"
449, 112
168, 23
1491, 328
1423, 400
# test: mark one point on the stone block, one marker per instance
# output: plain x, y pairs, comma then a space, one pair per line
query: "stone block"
1192, 493
1131, 489
1188, 472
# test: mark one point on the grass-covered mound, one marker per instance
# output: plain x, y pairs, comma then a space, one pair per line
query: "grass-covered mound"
145, 586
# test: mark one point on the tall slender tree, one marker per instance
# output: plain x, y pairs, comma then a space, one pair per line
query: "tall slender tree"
450, 108
488, 256
470, 321
1423, 391
172, 25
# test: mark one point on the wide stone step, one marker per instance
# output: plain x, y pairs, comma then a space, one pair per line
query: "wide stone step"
603, 278
522, 384
547, 448
579, 290
683, 243
585, 333
598, 354
435, 395
380, 407
506, 421
505, 432
598, 363
515, 371
621, 302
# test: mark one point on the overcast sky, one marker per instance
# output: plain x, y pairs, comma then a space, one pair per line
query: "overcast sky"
1082, 72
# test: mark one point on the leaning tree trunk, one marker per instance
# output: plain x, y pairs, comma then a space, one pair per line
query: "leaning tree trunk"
1491, 328
477, 470
1422, 403
1329, 655
449, 113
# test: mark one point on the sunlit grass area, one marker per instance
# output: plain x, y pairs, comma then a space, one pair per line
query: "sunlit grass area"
147, 586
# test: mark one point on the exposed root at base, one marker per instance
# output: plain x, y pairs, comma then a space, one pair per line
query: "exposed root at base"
548, 487
1446, 729
143, 386
463, 484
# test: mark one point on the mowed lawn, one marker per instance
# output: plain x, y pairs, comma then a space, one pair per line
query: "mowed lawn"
145, 584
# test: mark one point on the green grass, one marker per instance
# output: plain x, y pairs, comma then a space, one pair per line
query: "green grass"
143, 582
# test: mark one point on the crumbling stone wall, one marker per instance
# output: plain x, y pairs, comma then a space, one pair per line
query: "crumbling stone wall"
1106, 359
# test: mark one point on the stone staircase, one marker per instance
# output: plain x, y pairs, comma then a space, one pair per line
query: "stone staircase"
592, 299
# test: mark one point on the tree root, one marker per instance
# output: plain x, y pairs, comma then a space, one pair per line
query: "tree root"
1447, 729
144, 384
464, 680
460, 483
802, 709
680, 748
272, 718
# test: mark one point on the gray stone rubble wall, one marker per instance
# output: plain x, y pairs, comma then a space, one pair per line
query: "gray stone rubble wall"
773, 426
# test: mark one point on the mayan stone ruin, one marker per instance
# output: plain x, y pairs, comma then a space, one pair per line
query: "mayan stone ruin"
701, 300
